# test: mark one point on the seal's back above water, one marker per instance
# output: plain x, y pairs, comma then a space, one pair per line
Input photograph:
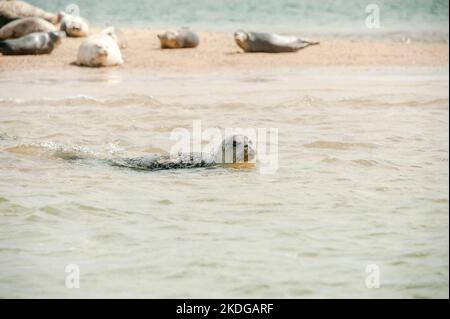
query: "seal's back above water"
234, 149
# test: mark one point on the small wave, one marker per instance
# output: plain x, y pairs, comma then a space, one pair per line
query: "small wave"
365, 163
85, 100
338, 145
146, 100
314, 101
51, 149
362, 102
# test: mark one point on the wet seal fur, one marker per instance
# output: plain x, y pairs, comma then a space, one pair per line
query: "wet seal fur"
32, 44
270, 42
24, 26
179, 39
235, 149
14, 9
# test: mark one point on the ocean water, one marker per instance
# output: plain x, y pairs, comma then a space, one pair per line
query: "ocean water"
363, 179
419, 19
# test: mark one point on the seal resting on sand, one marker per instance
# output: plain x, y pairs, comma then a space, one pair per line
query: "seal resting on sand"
21, 27
235, 149
270, 42
74, 26
14, 9
100, 50
178, 39
34, 43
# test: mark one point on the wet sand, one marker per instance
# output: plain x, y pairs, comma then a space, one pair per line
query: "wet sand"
218, 52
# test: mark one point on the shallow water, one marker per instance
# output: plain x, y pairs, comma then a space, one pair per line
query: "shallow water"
423, 20
363, 179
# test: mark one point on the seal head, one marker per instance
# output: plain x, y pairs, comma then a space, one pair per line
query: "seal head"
235, 149
241, 38
169, 39
74, 26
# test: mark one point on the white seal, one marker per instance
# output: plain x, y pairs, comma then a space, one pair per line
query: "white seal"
100, 50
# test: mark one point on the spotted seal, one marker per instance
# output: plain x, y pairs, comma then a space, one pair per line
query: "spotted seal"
178, 39
21, 27
32, 44
270, 42
235, 149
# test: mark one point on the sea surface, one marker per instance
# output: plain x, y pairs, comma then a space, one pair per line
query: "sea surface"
420, 20
362, 184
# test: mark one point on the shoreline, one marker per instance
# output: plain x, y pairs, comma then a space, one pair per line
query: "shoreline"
218, 52
77, 85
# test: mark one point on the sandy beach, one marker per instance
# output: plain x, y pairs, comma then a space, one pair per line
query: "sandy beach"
218, 52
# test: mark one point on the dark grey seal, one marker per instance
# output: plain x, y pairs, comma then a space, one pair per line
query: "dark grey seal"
270, 42
32, 44
178, 39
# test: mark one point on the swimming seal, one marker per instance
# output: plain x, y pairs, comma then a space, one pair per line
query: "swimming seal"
14, 9
270, 42
21, 27
235, 149
100, 50
34, 43
178, 39
74, 26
